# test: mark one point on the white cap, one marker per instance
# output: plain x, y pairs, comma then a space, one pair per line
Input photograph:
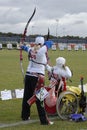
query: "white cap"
60, 61
39, 40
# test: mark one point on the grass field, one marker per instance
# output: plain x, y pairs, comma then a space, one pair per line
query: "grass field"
11, 78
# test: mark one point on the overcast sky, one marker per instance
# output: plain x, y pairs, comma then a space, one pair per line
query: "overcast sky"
62, 17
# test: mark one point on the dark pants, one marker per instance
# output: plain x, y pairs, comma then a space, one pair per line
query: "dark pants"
30, 85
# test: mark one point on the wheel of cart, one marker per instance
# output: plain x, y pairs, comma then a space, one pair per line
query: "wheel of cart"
67, 104
71, 102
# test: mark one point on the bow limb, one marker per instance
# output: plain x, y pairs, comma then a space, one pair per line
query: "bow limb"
48, 35
25, 30
22, 41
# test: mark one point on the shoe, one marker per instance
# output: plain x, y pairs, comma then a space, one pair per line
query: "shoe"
29, 118
51, 123
26, 119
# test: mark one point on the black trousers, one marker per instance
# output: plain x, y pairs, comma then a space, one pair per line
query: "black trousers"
30, 85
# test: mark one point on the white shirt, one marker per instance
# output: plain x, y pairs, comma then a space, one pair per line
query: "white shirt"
38, 61
60, 71
63, 72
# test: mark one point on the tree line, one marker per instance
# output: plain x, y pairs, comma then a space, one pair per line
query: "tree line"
9, 34
30, 38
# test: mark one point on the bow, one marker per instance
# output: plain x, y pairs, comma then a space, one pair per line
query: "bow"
48, 35
23, 39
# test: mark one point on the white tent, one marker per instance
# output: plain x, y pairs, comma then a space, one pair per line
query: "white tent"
54, 47
18, 47
76, 48
9, 46
0, 46
83, 48
69, 48
61, 47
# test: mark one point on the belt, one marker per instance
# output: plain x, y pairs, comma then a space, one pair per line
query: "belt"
34, 74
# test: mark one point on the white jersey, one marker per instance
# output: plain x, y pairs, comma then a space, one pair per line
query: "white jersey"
63, 72
60, 71
38, 61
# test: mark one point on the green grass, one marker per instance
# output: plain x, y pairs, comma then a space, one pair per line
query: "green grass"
11, 78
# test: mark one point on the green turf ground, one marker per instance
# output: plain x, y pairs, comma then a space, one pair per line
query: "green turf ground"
11, 78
